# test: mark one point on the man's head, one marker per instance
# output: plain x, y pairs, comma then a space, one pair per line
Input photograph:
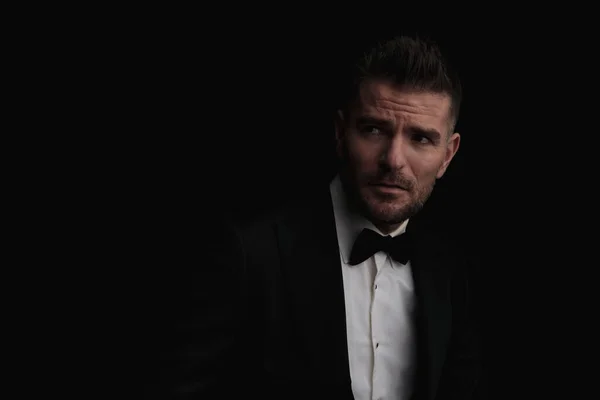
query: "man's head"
395, 131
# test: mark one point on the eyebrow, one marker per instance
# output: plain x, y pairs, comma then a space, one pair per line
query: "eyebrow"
430, 132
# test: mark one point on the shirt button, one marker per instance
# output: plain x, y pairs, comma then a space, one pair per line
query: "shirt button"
375, 286
376, 345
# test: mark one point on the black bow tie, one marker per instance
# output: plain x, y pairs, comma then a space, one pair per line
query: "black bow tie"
370, 242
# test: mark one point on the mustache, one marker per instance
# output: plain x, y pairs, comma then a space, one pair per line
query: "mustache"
392, 180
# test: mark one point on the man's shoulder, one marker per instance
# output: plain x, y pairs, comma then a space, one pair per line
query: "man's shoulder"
449, 242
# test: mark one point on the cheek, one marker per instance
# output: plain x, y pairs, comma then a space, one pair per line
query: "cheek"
424, 167
364, 158
426, 174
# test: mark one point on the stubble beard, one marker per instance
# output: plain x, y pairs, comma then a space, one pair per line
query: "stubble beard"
382, 209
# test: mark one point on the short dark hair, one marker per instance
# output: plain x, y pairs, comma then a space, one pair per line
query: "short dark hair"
409, 61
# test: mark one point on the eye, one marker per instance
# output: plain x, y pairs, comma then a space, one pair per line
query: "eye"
422, 139
370, 130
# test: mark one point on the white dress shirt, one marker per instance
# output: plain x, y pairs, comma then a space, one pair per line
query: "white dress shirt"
379, 302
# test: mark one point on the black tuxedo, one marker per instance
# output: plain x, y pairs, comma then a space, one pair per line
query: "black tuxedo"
275, 327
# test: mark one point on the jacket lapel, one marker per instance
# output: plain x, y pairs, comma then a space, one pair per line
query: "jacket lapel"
312, 273
434, 317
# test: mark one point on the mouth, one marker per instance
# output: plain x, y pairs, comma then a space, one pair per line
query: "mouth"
387, 187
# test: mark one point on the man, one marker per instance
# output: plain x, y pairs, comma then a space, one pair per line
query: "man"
313, 301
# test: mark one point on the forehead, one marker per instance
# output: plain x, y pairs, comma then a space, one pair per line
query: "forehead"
386, 100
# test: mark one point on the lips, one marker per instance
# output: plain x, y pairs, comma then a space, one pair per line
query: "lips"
388, 185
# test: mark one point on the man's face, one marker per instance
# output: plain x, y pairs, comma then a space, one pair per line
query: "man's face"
393, 144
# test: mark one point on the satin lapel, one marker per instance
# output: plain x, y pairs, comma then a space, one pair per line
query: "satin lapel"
431, 274
312, 273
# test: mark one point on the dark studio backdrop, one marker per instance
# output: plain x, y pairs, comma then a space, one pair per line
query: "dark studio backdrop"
239, 123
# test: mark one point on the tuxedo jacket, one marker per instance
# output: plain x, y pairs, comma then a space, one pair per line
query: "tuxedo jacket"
267, 315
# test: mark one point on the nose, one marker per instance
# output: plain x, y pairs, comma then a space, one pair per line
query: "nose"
393, 155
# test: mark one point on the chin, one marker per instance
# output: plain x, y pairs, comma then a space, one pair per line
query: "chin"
386, 214
384, 211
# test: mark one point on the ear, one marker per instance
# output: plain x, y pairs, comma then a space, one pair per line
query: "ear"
339, 130
451, 149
